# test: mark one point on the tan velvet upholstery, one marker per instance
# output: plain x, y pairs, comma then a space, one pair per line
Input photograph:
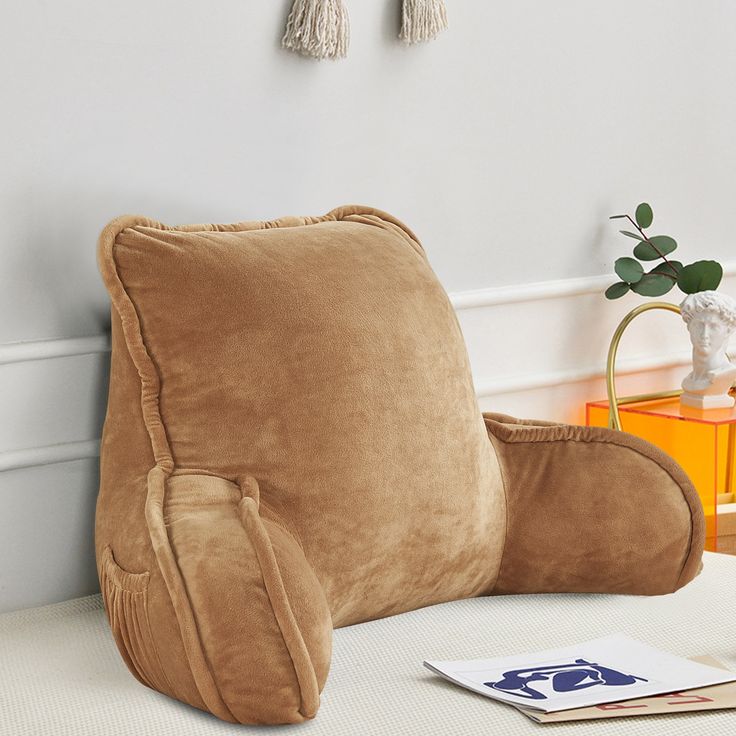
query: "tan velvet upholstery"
293, 444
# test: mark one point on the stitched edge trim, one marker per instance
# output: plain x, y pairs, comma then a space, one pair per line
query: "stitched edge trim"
132, 582
504, 484
283, 614
136, 585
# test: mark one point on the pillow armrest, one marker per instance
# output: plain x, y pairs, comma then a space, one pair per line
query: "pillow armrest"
593, 510
246, 598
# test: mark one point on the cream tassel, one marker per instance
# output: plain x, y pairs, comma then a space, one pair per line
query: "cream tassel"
318, 28
422, 20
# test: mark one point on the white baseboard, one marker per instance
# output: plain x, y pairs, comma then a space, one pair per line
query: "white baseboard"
541, 290
32, 457
25, 352
555, 335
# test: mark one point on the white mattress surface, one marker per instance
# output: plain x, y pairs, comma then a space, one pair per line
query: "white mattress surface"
60, 673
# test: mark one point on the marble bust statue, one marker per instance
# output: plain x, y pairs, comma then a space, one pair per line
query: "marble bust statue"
710, 317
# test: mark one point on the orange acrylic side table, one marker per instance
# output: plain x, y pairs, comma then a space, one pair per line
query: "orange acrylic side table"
702, 442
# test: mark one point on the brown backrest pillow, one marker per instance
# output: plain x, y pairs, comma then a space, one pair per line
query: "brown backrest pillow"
293, 444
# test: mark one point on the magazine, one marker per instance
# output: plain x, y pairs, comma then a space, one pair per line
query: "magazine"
607, 670
713, 697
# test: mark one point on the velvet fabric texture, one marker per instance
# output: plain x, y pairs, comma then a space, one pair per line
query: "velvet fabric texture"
293, 444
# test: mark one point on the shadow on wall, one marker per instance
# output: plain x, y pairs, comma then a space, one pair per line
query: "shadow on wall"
47, 547
49, 475
48, 507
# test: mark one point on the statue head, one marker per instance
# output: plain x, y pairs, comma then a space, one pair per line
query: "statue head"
710, 317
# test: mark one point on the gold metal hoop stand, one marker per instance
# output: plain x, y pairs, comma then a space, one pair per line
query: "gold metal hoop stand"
614, 419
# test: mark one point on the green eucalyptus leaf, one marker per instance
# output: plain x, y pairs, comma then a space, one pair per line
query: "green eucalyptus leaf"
616, 291
656, 247
671, 269
663, 243
628, 270
653, 284
700, 276
644, 252
629, 234
644, 215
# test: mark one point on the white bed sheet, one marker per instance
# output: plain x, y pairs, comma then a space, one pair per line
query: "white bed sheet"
60, 673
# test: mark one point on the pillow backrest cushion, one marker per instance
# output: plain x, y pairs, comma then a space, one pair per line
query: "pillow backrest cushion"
322, 357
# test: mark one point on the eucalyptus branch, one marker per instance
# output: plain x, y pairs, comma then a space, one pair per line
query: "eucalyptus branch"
690, 279
646, 240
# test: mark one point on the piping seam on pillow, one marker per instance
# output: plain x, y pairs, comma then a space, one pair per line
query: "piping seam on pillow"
273, 583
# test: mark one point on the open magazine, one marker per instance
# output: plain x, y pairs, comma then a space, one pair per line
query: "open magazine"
607, 670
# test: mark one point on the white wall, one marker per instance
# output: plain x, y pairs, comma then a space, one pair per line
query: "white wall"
505, 144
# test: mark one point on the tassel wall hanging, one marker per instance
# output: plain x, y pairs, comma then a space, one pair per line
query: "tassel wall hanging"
321, 28
422, 20
318, 28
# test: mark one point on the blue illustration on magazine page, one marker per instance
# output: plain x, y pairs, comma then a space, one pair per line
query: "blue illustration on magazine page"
564, 678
